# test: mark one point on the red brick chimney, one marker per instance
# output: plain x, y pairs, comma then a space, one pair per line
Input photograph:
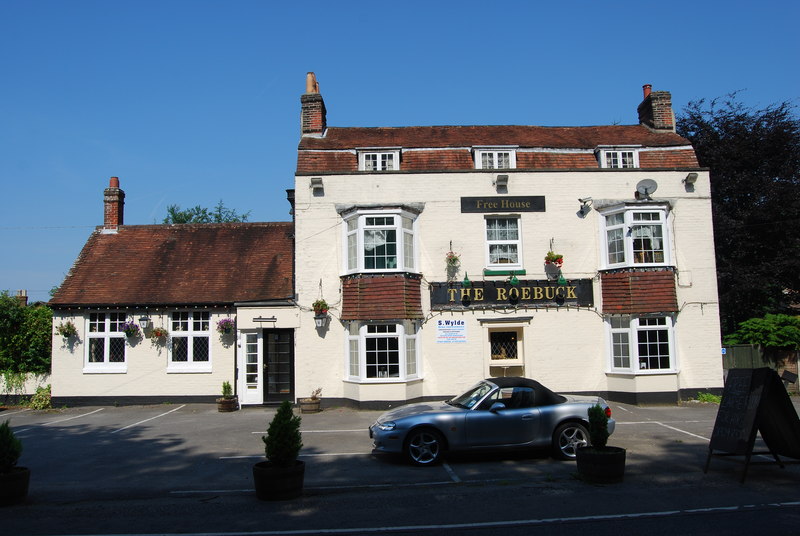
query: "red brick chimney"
313, 117
114, 205
655, 111
22, 297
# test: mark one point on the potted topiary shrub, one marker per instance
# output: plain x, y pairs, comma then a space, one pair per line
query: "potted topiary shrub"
13, 480
598, 462
229, 401
281, 476
312, 403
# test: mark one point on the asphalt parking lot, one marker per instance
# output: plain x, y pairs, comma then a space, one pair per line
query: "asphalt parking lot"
178, 453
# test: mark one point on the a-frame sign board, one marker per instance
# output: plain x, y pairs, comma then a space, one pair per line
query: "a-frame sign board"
755, 400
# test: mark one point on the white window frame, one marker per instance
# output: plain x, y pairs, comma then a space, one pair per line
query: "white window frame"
105, 326
618, 157
493, 153
361, 222
623, 338
197, 327
384, 160
621, 230
499, 242
409, 364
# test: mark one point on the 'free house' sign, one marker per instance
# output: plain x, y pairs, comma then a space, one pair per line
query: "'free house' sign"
519, 203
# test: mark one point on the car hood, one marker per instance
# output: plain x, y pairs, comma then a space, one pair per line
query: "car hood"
418, 409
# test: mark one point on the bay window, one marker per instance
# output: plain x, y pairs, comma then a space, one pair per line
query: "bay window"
636, 237
382, 352
641, 344
379, 241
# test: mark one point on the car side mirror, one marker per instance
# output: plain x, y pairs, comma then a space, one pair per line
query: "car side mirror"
497, 406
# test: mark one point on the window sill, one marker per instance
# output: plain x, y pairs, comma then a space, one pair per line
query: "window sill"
504, 271
630, 373
105, 370
191, 369
379, 381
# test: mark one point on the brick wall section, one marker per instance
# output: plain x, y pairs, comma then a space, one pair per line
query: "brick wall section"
639, 292
381, 297
655, 111
313, 115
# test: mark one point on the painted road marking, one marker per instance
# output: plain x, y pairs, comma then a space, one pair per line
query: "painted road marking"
148, 420
61, 420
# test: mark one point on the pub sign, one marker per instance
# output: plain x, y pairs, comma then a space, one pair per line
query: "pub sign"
527, 293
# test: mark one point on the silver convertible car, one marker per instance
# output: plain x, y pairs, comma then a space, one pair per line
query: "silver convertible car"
495, 413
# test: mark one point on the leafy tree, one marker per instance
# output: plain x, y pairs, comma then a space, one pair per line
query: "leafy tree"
25, 336
198, 214
754, 158
777, 335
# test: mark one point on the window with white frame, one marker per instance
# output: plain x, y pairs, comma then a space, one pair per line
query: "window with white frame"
618, 158
380, 241
503, 242
378, 160
636, 237
190, 346
641, 344
495, 158
105, 344
382, 352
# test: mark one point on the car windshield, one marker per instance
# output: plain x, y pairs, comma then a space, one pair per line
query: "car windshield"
471, 397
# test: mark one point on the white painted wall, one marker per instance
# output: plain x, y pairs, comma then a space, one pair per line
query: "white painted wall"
565, 349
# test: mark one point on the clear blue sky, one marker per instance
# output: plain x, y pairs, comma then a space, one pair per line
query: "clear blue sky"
190, 102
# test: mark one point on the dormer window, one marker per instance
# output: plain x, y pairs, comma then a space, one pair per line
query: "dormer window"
618, 157
378, 160
495, 158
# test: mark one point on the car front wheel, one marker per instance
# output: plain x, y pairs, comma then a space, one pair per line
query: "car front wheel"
567, 438
424, 447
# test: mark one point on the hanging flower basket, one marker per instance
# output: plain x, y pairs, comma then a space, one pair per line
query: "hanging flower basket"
554, 259
320, 307
452, 258
131, 329
160, 333
226, 325
67, 329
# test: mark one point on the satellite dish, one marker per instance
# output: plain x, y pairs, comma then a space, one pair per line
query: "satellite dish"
646, 187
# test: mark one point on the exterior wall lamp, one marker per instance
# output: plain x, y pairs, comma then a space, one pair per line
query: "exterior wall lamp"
586, 206
317, 188
501, 183
691, 178
321, 320
144, 322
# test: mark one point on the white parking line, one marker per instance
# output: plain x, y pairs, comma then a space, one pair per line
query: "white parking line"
147, 420
247, 456
360, 430
683, 431
15, 412
450, 472
490, 524
61, 420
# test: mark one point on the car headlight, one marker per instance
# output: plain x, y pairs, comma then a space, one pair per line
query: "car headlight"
387, 426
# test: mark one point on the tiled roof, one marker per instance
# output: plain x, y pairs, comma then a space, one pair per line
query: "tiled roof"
333, 152
381, 297
639, 292
181, 265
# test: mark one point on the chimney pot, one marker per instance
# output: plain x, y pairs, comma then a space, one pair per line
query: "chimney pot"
646, 89
114, 182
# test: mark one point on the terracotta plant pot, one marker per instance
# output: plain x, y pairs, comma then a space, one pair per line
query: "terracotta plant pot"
275, 483
603, 465
310, 405
227, 404
14, 485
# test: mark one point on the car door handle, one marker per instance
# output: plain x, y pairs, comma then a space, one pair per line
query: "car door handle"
528, 417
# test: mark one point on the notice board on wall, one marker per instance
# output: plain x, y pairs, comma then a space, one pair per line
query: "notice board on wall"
753, 401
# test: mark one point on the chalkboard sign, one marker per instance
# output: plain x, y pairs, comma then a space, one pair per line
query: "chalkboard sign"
755, 400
